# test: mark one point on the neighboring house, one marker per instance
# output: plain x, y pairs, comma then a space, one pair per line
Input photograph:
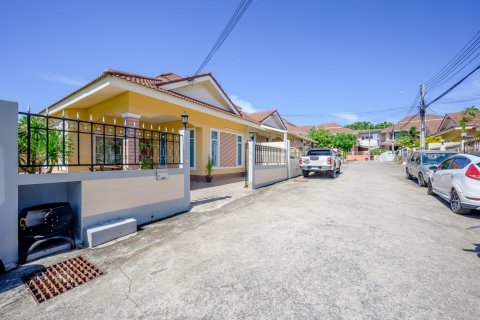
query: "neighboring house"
388, 135
450, 128
218, 128
335, 128
368, 139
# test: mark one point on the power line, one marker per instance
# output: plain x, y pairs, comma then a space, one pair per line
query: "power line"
455, 61
237, 15
454, 86
339, 114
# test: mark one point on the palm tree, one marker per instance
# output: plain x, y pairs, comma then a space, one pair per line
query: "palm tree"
38, 145
467, 115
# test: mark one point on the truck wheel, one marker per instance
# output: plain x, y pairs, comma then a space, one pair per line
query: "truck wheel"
331, 174
305, 173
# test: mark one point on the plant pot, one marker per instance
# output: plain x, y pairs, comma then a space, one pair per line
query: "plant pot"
209, 178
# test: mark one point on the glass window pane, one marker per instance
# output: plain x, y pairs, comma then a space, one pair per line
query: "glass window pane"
214, 134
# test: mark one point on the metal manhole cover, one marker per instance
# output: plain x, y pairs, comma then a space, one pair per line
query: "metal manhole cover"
60, 277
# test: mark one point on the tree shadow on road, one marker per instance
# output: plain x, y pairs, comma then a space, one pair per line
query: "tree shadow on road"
474, 250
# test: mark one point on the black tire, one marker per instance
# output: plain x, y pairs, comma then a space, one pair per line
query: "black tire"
455, 204
430, 188
305, 173
338, 170
332, 174
407, 174
421, 180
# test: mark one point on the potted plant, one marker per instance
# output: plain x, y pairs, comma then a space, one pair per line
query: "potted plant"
209, 168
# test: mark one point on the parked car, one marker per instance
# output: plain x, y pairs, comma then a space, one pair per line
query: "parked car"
419, 163
320, 160
457, 180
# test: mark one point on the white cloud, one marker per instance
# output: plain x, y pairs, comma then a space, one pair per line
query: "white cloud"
245, 105
71, 81
351, 117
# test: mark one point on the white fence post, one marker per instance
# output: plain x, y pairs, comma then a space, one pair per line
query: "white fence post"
8, 183
185, 157
287, 154
251, 163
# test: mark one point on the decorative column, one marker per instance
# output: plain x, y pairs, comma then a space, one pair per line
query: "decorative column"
131, 148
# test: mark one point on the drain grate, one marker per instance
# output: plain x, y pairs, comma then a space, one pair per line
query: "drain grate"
60, 277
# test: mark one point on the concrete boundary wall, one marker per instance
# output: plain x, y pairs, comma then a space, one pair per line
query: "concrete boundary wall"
264, 175
96, 197
8, 183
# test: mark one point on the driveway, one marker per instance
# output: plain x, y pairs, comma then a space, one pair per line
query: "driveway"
368, 245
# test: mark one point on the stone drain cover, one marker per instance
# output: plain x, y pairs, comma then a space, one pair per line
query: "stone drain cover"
60, 277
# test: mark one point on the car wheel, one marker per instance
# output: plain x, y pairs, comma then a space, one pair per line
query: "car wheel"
332, 174
421, 181
305, 173
430, 188
455, 203
408, 175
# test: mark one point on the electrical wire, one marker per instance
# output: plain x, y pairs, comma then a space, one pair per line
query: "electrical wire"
237, 15
339, 114
454, 62
454, 86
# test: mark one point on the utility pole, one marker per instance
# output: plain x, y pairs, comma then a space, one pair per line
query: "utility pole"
423, 109
393, 137
368, 144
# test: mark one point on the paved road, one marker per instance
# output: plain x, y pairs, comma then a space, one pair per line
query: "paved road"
368, 245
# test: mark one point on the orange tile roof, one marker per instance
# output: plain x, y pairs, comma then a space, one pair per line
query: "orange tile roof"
432, 123
335, 128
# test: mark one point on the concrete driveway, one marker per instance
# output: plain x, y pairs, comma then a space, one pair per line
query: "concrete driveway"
368, 245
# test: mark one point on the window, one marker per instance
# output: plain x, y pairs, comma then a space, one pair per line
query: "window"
435, 158
459, 163
446, 164
417, 158
192, 148
214, 147
112, 153
239, 150
319, 153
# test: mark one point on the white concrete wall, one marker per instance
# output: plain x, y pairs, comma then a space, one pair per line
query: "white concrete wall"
8, 183
267, 175
264, 175
294, 168
101, 197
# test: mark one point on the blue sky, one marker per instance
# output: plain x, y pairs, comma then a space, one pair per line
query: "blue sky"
301, 57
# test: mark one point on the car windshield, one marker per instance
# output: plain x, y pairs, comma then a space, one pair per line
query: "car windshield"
435, 158
319, 153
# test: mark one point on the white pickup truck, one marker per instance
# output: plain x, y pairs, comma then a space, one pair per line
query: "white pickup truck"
320, 160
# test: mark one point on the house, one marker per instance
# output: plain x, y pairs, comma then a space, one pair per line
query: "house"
388, 135
151, 109
450, 128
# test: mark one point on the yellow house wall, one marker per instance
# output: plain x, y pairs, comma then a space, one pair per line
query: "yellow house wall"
149, 108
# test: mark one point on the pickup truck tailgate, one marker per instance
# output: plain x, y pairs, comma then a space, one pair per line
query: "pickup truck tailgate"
317, 161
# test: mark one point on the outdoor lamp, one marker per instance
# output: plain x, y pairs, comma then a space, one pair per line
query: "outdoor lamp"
184, 120
252, 135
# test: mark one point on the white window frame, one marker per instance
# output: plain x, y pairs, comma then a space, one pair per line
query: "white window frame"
219, 146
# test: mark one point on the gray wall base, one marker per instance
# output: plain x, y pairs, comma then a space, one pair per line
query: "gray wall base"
101, 234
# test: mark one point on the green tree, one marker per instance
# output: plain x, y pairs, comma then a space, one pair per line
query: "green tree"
322, 136
38, 145
344, 141
360, 125
408, 138
468, 114
382, 125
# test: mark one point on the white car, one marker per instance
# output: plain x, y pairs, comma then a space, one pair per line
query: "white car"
457, 180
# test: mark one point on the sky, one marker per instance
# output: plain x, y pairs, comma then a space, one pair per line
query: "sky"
315, 61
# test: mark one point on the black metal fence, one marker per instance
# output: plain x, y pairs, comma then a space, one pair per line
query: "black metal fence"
46, 142
267, 155
472, 145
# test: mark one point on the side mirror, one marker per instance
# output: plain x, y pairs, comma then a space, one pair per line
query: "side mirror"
433, 168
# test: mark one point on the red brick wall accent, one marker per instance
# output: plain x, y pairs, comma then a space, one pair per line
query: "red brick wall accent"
228, 149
